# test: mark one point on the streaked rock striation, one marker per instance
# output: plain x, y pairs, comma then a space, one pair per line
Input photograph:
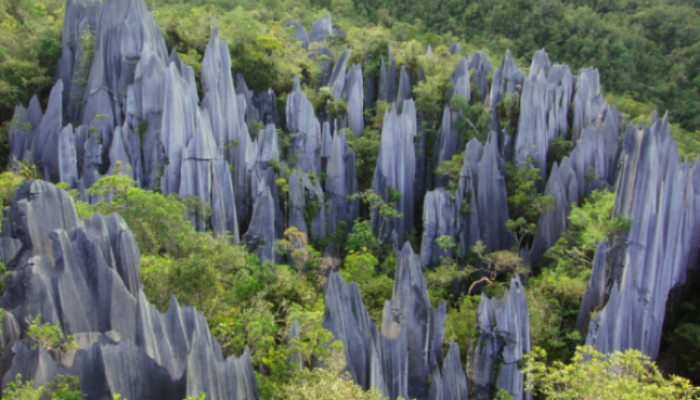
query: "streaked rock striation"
395, 170
504, 334
660, 247
83, 277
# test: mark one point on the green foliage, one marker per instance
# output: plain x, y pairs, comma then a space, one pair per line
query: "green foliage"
18, 390
361, 237
384, 209
646, 51
473, 119
461, 325
295, 244
593, 375
590, 224
328, 382
495, 264
555, 295
30, 46
63, 387
49, 336
366, 148
375, 285
450, 171
524, 201
9, 181
441, 279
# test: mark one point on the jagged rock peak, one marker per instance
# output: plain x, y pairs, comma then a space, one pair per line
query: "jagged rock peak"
588, 100
84, 278
395, 169
660, 246
504, 334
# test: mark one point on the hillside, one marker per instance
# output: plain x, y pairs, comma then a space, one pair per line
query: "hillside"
350, 199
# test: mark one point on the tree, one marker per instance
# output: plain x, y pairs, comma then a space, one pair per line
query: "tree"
496, 263
593, 375
49, 336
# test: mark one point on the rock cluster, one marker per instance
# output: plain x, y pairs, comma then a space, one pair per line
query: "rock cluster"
83, 276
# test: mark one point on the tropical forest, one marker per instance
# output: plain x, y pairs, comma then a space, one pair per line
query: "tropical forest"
350, 199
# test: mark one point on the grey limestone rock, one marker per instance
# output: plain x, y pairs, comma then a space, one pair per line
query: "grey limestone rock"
504, 334
588, 100
481, 67
83, 276
591, 166
659, 248
438, 220
227, 120
400, 360
452, 383
124, 28
481, 201
305, 129
404, 90
337, 80
449, 138
594, 299
323, 27
563, 187
387, 79
44, 149
355, 99
307, 210
544, 109
301, 33
260, 237
341, 182
506, 80
326, 60
81, 17
395, 169
410, 310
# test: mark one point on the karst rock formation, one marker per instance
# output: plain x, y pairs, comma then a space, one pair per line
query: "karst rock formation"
137, 111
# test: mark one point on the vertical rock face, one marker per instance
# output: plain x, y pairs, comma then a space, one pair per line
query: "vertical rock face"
355, 102
228, 126
260, 237
504, 334
404, 90
438, 220
395, 169
341, 182
387, 79
403, 359
306, 130
506, 80
125, 28
544, 109
591, 165
81, 18
410, 310
452, 385
337, 81
661, 245
481, 201
563, 187
83, 277
301, 33
449, 137
480, 64
588, 100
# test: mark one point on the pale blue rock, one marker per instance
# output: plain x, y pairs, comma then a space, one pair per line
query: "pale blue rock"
395, 170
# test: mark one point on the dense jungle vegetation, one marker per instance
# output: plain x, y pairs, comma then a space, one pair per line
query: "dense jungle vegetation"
648, 52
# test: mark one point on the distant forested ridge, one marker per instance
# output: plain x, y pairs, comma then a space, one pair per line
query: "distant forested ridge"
301, 199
